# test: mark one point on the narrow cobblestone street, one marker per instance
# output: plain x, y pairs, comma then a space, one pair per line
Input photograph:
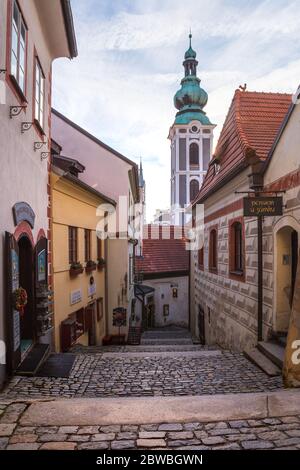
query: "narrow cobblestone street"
164, 368
150, 370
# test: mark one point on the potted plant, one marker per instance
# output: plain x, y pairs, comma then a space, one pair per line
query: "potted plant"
101, 263
76, 268
90, 266
20, 299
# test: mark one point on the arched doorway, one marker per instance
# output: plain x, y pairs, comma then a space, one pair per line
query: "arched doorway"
287, 245
26, 280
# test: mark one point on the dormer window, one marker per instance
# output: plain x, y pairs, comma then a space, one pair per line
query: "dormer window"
217, 168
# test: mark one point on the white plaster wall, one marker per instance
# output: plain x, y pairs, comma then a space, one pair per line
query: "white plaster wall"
178, 307
23, 176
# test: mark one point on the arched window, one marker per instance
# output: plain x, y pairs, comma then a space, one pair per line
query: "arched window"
194, 155
236, 245
213, 250
194, 189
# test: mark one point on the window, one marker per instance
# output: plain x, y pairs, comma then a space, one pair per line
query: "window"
213, 250
39, 94
99, 248
18, 47
194, 189
99, 308
87, 244
72, 245
236, 248
131, 270
201, 258
194, 155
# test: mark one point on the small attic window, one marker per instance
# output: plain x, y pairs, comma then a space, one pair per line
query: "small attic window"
217, 167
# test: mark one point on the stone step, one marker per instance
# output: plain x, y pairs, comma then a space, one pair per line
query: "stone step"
273, 351
140, 348
165, 334
169, 341
259, 359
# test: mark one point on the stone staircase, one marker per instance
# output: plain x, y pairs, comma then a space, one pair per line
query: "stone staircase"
269, 355
134, 335
168, 336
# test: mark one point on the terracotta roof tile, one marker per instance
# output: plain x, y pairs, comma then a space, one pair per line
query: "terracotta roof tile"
162, 254
251, 125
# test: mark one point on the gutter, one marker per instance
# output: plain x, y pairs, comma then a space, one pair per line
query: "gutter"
69, 25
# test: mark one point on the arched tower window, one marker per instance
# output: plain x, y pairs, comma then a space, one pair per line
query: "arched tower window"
194, 189
194, 155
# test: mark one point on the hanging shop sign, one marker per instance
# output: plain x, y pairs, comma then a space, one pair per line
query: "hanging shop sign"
119, 316
23, 212
263, 206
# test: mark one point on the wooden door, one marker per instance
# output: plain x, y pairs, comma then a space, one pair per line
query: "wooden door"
12, 316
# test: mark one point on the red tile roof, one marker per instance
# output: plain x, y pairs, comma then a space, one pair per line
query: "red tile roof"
162, 254
250, 128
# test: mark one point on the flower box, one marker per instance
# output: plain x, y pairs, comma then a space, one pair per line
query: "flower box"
90, 266
76, 269
101, 264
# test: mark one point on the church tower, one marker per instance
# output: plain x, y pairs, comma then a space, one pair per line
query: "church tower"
191, 138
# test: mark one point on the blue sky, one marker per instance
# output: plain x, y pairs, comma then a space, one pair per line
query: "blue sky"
129, 67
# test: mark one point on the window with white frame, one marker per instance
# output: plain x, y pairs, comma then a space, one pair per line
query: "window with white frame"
18, 47
39, 94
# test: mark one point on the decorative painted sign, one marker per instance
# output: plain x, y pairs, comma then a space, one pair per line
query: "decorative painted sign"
119, 316
14, 269
16, 330
23, 212
75, 296
263, 206
41, 262
91, 289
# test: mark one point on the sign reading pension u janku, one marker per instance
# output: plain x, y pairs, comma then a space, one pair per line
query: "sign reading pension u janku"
262, 206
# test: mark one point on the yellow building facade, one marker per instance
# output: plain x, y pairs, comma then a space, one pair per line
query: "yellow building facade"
78, 262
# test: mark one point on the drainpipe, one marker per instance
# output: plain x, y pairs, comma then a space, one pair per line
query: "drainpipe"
260, 278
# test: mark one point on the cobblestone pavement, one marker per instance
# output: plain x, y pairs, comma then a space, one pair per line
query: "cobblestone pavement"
254, 434
95, 375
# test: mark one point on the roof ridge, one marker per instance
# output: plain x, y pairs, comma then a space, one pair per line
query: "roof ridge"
263, 92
